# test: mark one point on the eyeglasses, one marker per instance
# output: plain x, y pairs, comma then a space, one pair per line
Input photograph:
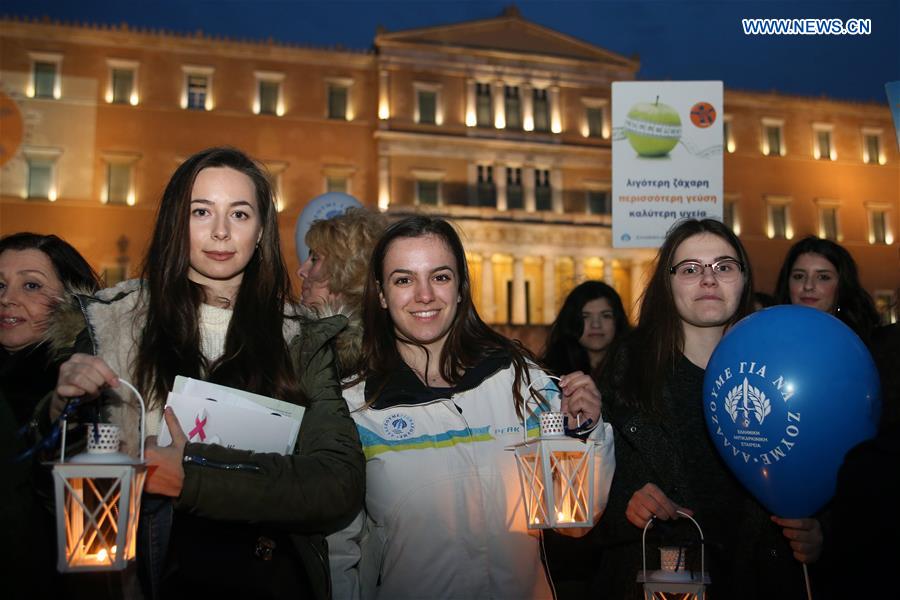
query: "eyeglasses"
725, 270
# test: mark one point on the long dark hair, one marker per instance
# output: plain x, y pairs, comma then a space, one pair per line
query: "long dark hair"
652, 348
256, 356
469, 340
563, 353
853, 304
73, 271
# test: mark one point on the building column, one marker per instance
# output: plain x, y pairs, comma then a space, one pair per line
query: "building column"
527, 104
500, 184
608, 271
579, 269
555, 113
384, 101
528, 188
488, 302
556, 190
471, 120
384, 183
518, 304
497, 96
549, 289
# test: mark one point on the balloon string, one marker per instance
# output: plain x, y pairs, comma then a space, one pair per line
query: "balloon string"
806, 579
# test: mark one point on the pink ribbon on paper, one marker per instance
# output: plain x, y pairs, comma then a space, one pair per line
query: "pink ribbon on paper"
199, 424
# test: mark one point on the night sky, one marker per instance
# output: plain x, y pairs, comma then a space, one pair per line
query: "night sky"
675, 39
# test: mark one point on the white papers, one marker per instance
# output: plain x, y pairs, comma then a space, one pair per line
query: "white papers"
215, 414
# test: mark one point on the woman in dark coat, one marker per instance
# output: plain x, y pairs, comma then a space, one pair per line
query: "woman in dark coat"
35, 272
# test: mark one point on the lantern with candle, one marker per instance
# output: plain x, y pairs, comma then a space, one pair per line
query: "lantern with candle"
558, 477
674, 580
98, 499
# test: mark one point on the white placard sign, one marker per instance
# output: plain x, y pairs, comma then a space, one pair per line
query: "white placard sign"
666, 157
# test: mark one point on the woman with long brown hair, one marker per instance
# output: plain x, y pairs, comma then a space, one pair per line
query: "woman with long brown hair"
441, 399
667, 464
214, 304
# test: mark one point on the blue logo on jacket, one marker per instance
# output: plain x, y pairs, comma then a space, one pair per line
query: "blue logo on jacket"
398, 426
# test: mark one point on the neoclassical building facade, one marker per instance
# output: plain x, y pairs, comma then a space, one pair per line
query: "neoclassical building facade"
501, 125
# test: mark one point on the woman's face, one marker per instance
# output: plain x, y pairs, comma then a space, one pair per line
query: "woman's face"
707, 301
315, 291
814, 282
420, 289
225, 226
599, 325
28, 286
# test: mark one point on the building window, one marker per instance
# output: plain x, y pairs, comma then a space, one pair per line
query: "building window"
594, 116
828, 223
872, 154
598, 202
198, 86
44, 80
878, 227
773, 137
122, 86
40, 179
118, 183
828, 220
45, 75
515, 195
336, 184
541, 108
338, 100
197, 93
512, 105
543, 194
427, 103
486, 189
268, 99
823, 147
886, 305
779, 218
428, 192
728, 135
484, 109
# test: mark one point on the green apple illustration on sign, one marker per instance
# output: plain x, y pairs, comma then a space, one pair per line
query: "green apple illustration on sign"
653, 129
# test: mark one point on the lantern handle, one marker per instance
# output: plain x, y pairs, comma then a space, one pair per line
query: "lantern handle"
65, 415
702, 543
525, 404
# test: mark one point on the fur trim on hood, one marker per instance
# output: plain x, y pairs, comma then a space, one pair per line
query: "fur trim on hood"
348, 343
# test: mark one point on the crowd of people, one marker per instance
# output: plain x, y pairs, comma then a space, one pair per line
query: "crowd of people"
401, 484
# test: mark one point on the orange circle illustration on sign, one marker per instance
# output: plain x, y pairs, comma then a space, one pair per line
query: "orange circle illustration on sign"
703, 114
12, 128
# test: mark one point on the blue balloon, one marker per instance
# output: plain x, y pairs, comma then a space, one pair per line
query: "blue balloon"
321, 207
788, 391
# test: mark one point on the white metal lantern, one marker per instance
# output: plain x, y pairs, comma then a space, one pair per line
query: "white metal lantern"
98, 500
557, 477
674, 580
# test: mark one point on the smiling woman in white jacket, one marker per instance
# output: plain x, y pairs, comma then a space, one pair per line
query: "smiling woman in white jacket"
437, 407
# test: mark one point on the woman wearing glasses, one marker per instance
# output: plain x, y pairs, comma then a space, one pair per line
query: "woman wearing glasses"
652, 394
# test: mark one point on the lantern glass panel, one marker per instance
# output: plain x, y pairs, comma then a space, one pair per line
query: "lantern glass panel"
98, 524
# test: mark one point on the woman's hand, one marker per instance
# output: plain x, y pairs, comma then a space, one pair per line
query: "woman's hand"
805, 536
165, 473
580, 399
81, 375
649, 502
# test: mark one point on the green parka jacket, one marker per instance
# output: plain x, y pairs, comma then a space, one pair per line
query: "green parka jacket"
302, 497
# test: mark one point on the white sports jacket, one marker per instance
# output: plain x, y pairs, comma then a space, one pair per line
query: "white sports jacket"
444, 511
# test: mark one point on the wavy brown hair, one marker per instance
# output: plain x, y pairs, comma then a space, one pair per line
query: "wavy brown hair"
469, 339
652, 348
255, 357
